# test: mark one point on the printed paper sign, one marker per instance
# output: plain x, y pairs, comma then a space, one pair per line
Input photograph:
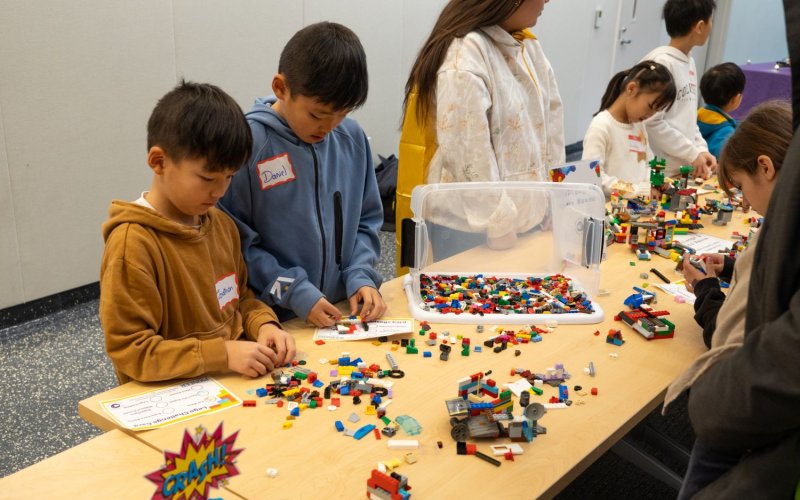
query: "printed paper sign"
205, 461
377, 328
175, 403
227, 290
275, 171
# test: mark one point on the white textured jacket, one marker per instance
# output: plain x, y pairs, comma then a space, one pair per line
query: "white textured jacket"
498, 110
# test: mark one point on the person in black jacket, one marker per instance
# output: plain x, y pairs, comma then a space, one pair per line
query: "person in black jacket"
747, 404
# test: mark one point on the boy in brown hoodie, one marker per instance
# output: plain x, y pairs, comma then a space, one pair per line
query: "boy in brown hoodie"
174, 300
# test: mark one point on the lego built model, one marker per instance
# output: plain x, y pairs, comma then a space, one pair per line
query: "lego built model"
392, 486
472, 417
648, 323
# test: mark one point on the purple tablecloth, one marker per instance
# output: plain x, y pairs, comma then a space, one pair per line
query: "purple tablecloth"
764, 82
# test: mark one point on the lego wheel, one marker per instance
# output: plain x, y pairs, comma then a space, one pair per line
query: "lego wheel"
459, 432
534, 411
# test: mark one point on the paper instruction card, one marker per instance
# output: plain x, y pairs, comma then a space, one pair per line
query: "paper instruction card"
703, 243
678, 289
379, 328
176, 403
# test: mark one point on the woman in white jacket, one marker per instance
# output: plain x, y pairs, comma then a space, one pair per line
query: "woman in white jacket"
481, 103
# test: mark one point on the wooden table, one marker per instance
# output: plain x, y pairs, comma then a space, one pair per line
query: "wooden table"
112, 465
315, 460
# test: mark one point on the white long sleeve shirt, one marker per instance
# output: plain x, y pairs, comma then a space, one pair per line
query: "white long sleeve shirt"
674, 134
498, 111
623, 151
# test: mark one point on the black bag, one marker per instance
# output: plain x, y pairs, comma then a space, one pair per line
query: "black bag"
386, 173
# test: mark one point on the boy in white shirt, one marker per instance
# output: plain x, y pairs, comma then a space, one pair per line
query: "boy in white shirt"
674, 134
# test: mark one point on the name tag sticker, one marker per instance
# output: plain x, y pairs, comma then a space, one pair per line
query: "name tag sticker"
275, 171
227, 290
635, 144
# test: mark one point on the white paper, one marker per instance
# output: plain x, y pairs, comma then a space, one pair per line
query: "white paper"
377, 328
678, 290
703, 243
162, 407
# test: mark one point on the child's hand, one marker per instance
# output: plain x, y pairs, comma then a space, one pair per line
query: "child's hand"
715, 263
372, 302
280, 341
323, 314
692, 275
249, 358
704, 165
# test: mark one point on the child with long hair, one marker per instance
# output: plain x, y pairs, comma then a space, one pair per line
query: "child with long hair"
617, 137
481, 102
751, 162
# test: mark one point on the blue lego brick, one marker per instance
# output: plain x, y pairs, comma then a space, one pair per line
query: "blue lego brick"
360, 433
339, 425
261, 392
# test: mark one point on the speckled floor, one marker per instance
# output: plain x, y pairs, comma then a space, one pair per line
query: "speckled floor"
48, 365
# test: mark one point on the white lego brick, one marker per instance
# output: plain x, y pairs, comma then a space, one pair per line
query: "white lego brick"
403, 444
502, 449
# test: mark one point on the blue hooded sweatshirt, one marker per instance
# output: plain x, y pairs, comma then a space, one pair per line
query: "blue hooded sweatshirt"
715, 126
308, 214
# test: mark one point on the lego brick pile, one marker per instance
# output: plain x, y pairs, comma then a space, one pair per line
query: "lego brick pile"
553, 294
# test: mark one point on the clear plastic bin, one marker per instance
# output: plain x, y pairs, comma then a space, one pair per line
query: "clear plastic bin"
506, 253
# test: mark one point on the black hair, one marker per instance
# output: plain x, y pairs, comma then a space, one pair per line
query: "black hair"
457, 19
766, 130
722, 83
326, 61
680, 16
199, 120
649, 76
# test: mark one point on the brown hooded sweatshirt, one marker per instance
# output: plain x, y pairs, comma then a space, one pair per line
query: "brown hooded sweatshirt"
171, 295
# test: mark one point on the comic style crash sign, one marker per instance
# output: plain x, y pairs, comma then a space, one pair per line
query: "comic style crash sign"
205, 461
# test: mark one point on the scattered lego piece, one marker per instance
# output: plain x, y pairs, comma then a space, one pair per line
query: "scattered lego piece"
613, 355
502, 449
273, 473
286, 425
594, 391
590, 369
353, 418
411, 458
487, 458
403, 444
339, 425
363, 431
249, 402
408, 424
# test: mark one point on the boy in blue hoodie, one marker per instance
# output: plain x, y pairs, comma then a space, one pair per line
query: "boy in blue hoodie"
307, 205
721, 88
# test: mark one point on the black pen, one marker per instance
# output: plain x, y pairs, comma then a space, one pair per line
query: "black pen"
658, 273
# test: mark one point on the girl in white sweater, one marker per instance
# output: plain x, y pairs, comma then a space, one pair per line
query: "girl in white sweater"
617, 137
